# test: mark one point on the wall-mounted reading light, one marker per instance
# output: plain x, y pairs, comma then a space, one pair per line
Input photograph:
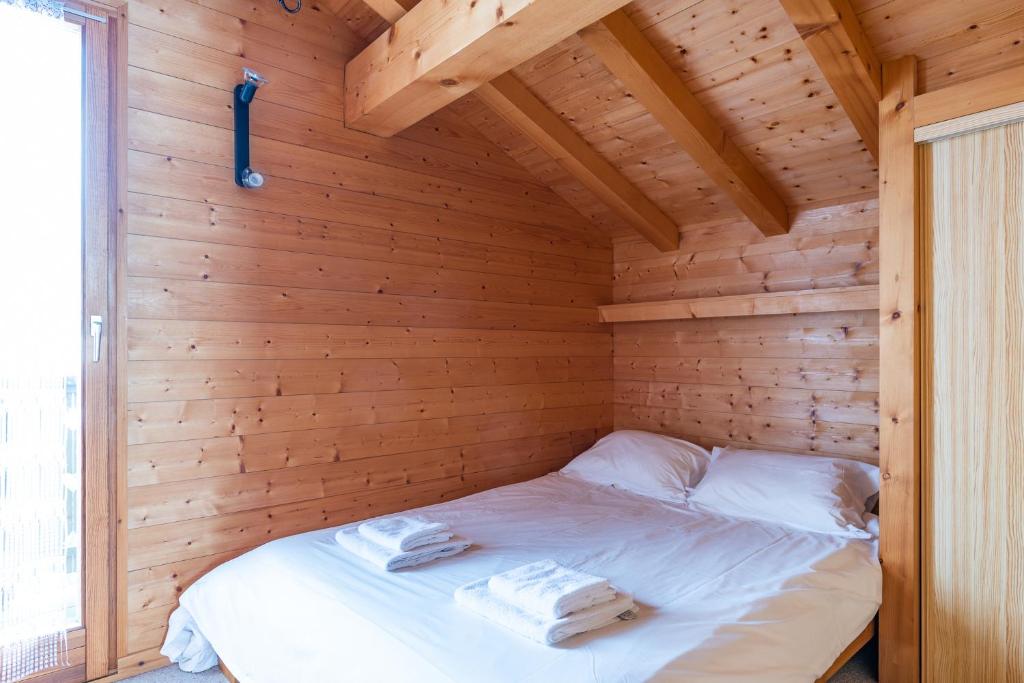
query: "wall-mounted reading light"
245, 91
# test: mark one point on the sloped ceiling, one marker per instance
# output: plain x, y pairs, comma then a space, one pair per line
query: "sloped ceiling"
748, 66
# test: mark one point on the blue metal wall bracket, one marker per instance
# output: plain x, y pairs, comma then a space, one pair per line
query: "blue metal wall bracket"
245, 91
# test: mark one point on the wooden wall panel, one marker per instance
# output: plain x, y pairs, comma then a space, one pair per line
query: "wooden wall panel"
973, 609
386, 324
804, 383
953, 41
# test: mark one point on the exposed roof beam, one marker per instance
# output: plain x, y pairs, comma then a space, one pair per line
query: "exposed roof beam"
514, 102
835, 39
653, 82
391, 10
444, 49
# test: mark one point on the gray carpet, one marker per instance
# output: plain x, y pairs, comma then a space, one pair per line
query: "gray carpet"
860, 669
172, 674
863, 668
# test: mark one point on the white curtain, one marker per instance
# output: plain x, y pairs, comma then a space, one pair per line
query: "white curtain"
49, 8
39, 418
40, 347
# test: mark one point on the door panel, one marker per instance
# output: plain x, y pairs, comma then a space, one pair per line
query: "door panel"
974, 474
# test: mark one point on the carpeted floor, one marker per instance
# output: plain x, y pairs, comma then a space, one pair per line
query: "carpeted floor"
863, 668
860, 669
172, 674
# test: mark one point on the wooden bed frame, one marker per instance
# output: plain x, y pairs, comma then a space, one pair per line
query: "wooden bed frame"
845, 656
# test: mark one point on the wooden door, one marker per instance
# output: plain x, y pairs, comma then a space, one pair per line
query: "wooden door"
973, 485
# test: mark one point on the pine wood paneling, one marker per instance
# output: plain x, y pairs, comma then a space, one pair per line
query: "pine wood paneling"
168, 381
164, 217
803, 382
182, 178
201, 102
203, 300
162, 135
953, 41
163, 420
386, 324
199, 458
637, 63
834, 37
200, 261
748, 67
211, 340
514, 102
973, 608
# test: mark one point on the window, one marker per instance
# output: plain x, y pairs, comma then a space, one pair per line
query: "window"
57, 235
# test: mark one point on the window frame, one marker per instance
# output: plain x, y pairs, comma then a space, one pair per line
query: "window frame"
94, 647
104, 567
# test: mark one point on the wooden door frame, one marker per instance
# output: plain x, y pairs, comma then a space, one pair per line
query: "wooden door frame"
906, 119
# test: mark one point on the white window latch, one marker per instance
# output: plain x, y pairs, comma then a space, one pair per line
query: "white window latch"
96, 332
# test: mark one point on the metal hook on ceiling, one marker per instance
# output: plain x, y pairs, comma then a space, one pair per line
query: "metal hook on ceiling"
291, 10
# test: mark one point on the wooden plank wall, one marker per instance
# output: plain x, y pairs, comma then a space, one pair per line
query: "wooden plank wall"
973, 590
387, 323
805, 383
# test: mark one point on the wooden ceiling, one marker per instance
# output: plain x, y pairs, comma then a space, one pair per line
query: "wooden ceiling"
746, 64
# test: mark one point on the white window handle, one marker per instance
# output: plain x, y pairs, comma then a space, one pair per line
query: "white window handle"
96, 332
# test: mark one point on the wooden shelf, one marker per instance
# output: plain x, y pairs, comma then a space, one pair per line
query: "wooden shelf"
861, 298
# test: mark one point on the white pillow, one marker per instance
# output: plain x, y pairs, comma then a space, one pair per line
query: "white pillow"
645, 463
813, 493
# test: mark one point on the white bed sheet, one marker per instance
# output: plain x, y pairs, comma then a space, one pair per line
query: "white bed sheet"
721, 599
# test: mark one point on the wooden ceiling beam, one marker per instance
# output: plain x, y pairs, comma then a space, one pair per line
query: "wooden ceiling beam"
654, 83
391, 10
444, 49
836, 40
513, 101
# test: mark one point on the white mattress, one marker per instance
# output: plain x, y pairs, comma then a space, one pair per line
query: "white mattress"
721, 599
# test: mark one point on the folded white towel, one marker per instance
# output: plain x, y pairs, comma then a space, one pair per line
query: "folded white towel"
477, 596
390, 560
551, 590
404, 533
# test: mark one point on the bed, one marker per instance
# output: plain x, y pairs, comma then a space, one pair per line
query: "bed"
721, 599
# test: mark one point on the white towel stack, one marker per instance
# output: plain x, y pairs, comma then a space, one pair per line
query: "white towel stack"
546, 602
405, 533
399, 542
